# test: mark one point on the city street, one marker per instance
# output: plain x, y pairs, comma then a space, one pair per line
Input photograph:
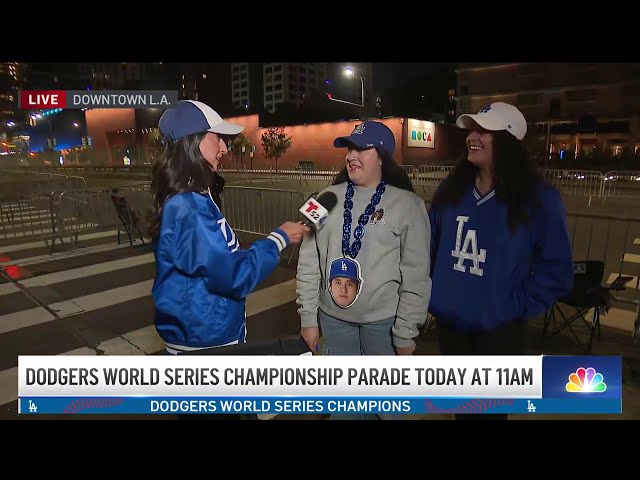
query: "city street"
95, 299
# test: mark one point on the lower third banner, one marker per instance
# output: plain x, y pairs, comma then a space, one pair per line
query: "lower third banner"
319, 384
311, 405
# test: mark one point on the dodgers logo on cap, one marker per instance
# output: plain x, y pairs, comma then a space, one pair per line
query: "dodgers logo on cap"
369, 134
358, 130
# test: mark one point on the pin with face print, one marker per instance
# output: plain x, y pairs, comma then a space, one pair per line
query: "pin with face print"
345, 281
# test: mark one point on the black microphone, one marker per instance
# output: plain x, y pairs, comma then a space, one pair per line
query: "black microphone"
316, 210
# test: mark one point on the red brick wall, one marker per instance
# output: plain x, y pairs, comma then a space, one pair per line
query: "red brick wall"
309, 142
315, 143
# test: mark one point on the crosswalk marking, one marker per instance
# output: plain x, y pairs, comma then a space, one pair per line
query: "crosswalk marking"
7, 288
65, 254
28, 246
74, 306
618, 318
120, 346
146, 340
271, 297
103, 299
257, 302
24, 318
82, 272
631, 258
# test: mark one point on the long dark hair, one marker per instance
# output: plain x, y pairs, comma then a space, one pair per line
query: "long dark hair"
515, 177
180, 167
391, 173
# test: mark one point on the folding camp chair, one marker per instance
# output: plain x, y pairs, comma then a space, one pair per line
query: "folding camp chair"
129, 218
587, 293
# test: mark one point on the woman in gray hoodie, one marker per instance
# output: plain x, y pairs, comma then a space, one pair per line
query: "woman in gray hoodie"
363, 278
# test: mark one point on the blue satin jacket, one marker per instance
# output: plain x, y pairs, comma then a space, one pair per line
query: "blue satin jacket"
202, 275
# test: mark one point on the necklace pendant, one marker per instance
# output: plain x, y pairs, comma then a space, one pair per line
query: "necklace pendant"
352, 250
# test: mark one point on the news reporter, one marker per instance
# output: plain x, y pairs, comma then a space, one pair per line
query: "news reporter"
202, 275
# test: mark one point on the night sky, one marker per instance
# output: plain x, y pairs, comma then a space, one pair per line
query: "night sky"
393, 75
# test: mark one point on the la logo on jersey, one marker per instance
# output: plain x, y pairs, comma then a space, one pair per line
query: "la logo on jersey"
229, 235
462, 252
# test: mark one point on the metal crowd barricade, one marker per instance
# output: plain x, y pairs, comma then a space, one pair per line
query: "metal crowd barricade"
27, 216
56, 216
586, 183
92, 210
319, 175
73, 212
303, 176
259, 210
621, 184
432, 175
410, 170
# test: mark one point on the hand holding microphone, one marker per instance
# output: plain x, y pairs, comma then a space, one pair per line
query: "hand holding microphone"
295, 231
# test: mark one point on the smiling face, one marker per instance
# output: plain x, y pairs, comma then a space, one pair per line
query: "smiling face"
480, 147
213, 148
364, 167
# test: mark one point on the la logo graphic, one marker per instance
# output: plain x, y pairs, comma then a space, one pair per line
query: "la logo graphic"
467, 250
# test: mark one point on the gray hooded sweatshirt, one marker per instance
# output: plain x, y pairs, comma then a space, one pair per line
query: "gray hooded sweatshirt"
394, 263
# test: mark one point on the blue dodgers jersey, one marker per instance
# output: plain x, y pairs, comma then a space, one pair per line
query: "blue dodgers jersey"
203, 276
483, 275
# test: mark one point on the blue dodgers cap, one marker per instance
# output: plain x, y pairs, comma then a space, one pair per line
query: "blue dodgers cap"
344, 267
369, 134
189, 116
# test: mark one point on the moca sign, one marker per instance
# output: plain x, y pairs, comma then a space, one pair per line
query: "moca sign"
421, 133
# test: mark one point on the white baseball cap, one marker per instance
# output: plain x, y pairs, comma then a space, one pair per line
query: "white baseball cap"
190, 116
497, 116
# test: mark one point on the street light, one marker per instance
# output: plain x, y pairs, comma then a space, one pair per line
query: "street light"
348, 72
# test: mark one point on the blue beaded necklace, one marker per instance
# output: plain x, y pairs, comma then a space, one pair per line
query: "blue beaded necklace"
352, 250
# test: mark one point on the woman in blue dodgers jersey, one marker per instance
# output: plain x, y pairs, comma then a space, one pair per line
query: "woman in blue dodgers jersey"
500, 247
202, 275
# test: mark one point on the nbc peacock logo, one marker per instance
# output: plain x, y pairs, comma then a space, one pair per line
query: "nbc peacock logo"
586, 380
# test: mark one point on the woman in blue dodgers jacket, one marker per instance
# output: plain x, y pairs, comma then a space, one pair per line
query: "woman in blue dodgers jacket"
202, 275
500, 248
